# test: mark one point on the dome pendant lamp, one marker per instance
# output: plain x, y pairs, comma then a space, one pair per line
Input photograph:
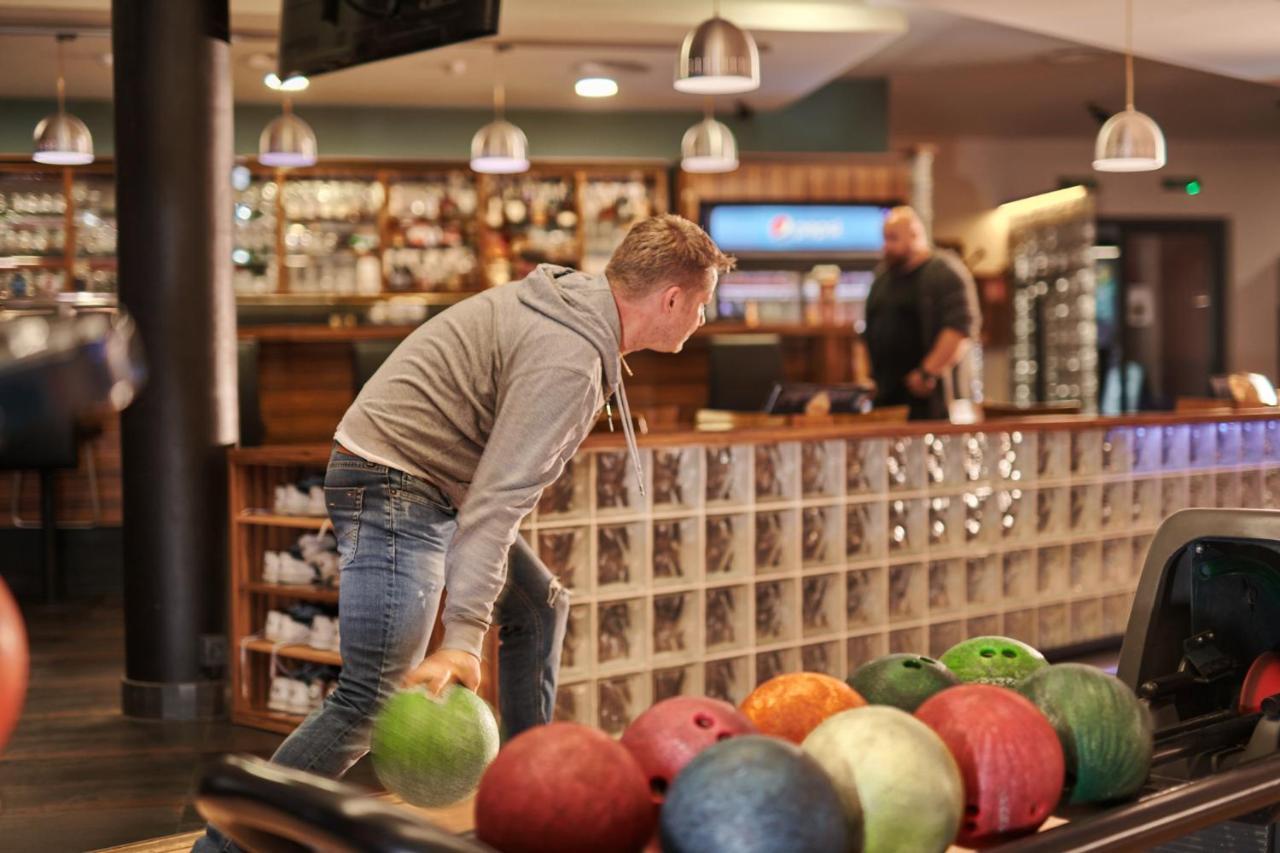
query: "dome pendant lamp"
288, 141
708, 146
499, 148
61, 139
718, 58
1130, 141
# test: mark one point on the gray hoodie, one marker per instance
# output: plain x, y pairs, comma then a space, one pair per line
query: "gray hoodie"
488, 401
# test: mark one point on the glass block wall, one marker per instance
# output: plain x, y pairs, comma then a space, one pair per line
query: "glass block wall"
748, 560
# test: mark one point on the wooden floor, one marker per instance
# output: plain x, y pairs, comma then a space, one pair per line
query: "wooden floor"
78, 776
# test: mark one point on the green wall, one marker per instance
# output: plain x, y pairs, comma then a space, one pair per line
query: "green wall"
844, 116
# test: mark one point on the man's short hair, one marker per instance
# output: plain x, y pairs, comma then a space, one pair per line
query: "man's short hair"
661, 251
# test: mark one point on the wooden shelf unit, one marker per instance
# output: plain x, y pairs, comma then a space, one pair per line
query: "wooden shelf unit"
254, 474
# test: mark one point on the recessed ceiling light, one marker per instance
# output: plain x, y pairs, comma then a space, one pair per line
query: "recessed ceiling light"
596, 87
295, 83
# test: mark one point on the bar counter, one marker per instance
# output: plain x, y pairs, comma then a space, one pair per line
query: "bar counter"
771, 549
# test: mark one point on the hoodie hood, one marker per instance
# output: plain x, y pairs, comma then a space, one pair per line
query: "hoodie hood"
585, 303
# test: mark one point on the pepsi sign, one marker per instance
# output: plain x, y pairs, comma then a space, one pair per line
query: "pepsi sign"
797, 228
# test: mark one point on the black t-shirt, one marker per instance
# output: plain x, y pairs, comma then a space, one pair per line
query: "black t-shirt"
895, 333
906, 311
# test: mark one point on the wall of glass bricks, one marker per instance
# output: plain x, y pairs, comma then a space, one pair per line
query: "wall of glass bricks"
748, 560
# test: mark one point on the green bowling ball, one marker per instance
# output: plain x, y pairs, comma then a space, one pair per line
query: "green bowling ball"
901, 680
1105, 731
1002, 661
432, 751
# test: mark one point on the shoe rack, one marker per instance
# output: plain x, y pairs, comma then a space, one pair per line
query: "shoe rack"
255, 529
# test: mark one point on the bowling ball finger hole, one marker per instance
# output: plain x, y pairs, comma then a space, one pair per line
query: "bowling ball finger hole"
703, 721
1009, 653
724, 736
658, 785
912, 664
988, 653
971, 809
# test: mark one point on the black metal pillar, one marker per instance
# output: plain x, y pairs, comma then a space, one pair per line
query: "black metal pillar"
173, 148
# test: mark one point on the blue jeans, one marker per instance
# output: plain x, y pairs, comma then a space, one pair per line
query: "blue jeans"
393, 530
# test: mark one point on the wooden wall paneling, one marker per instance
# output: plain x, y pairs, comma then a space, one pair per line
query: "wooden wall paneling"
305, 389
858, 178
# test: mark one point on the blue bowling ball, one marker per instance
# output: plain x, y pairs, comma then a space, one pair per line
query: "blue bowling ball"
754, 794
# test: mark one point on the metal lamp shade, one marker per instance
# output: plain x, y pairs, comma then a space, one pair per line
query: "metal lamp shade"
708, 146
287, 141
1130, 141
500, 148
718, 58
61, 139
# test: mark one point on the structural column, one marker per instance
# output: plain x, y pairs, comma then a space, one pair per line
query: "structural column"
173, 149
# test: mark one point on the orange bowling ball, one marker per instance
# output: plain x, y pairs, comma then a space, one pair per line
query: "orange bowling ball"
790, 706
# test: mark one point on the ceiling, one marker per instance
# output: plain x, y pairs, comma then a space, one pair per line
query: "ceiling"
952, 64
1235, 38
804, 44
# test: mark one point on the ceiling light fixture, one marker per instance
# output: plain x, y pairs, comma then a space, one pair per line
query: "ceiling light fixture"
718, 58
288, 141
708, 146
61, 139
295, 83
595, 87
499, 148
1130, 141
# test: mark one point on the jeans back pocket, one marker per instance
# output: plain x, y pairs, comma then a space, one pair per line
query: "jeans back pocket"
344, 504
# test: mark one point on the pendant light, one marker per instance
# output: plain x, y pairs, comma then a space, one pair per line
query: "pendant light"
708, 146
718, 58
288, 141
61, 139
499, 148
1130, 141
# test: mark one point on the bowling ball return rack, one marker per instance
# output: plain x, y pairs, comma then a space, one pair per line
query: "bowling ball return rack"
1206, 608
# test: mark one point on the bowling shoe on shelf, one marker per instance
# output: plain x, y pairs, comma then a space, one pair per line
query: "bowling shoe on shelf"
271, 567
295, 571
305, 497
311, 544
325, 564
271, 630
324, 633
286, 629
299, 697
281, 697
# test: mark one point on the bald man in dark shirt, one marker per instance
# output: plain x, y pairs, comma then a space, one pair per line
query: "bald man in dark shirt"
922, 314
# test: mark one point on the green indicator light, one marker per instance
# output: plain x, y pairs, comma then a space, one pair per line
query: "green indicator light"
1193, 188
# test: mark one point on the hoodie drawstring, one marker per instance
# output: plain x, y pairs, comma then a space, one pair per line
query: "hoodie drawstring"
628, 429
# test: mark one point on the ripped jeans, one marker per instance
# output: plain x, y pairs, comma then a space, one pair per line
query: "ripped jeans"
393, 530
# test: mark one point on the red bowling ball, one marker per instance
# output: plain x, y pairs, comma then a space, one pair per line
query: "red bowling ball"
1009, 756
564, 787
667, 736
14, 664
